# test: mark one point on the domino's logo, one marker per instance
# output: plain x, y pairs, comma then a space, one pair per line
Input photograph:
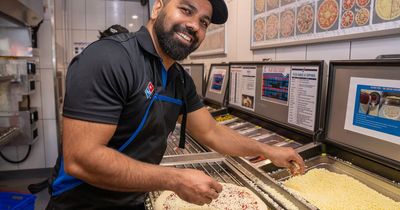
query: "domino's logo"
149, 90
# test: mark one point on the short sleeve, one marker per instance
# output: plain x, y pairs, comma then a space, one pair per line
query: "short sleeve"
192, 98
98, 83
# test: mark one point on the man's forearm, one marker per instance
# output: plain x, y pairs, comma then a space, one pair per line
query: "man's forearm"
106, 168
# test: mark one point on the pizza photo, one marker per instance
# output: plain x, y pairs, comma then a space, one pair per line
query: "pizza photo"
348, 4
362, 17
259, 6
232, 197
259, 29
362, 3
328, 13
305, 18
272, 4
387, 9
272, 26
287, 23
347, 19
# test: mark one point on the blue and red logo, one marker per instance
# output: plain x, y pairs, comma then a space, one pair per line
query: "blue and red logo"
149, 90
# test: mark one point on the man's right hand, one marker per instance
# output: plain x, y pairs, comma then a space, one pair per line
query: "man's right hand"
196, 187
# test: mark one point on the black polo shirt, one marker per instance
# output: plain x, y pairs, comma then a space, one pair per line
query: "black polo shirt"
113, 81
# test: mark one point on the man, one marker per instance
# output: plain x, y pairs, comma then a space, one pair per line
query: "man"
123, 97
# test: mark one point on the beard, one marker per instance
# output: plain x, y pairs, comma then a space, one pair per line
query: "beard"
171, 45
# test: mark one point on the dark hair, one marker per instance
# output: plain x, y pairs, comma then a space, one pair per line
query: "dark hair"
114, 29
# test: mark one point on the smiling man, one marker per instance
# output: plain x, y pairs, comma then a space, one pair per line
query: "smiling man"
123, 96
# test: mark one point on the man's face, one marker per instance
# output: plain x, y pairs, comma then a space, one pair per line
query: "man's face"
181, 26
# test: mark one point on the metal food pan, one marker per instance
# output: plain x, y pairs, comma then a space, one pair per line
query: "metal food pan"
332, 164
222, 172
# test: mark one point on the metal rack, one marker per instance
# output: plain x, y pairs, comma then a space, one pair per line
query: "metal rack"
6, 134
191, 147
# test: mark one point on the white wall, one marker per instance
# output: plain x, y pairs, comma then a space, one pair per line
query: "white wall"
239, 44
44, 150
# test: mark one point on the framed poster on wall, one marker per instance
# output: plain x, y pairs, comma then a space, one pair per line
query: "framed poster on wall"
290, 22
214, 43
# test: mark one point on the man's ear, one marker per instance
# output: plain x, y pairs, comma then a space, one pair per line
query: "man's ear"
157, 7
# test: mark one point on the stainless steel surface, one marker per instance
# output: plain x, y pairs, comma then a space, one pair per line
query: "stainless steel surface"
379, 184
24, 11
6, 134
222, 171
190, 158
25, 120
191, 145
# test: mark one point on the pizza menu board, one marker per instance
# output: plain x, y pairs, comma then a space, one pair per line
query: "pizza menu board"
373, 108
286, 22
243, 86
275, 84
214, 43
217, 77
303, 97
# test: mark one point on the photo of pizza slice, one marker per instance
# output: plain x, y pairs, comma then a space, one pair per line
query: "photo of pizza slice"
328, 13
259, 29
348, 4
272, 26
362, 17
362, 3
287, 23
387, 9
305, 18
259, 6
272, 4
232, 197
347, 19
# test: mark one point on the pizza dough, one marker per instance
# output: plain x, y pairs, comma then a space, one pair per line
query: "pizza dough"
232, 197
329, 190
391, 112
387, 9
328, 13
305, 18
362, 16
272, 26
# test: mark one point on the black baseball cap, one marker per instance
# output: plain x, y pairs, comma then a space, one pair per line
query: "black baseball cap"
220, 11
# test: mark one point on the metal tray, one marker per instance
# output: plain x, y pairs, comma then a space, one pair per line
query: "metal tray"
191, 146
222, 171
332, 164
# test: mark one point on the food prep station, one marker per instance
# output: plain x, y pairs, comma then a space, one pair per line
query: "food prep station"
326, 144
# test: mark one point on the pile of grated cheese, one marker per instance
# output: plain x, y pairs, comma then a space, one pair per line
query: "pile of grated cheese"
328, 190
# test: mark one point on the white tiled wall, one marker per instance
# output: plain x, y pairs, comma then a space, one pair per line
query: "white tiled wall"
50, 145
115, 13
47, 93
95, 14
76, 13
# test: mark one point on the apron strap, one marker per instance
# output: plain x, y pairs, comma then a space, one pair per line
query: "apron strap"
182, 138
